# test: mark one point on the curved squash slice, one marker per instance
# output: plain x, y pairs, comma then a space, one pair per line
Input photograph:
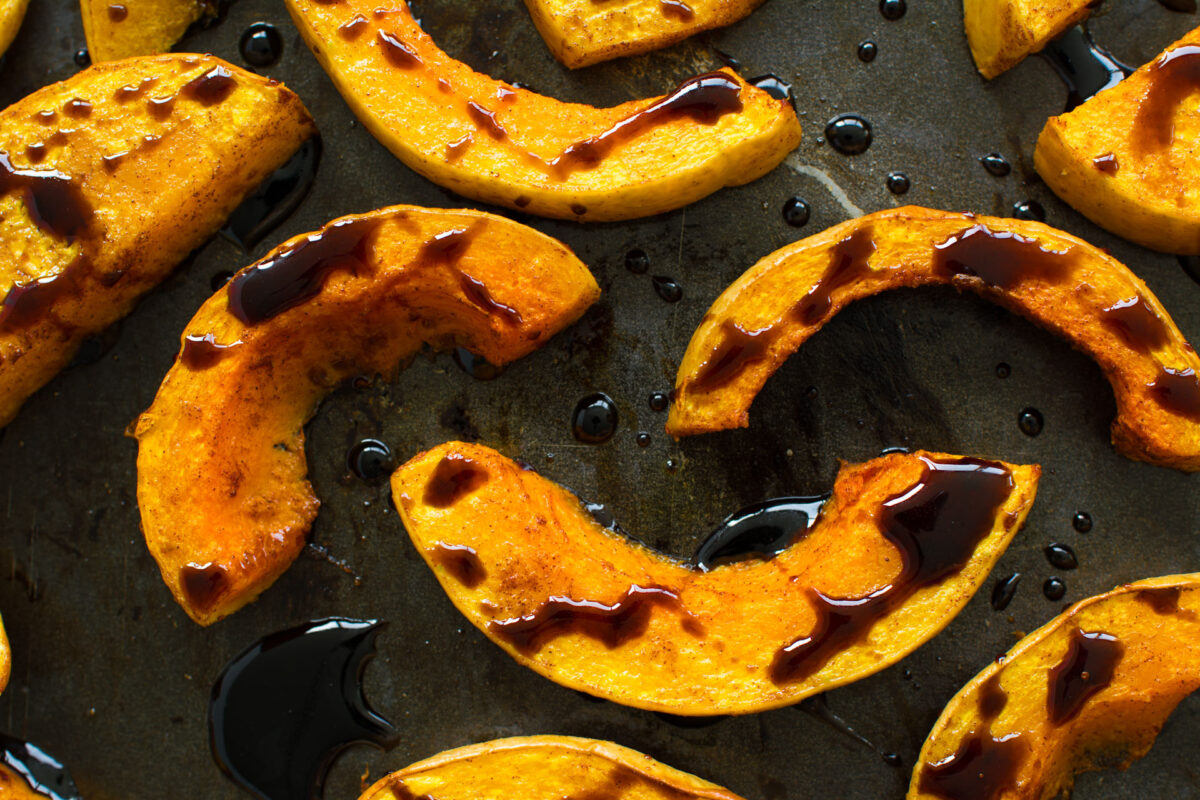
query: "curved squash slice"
493, 142
5, 657
1003, 32
15, 787
1051, 277
108, 180
221, 470
543, 768
12, 13
1089, 690
1126, 159
900, 547
585, 32
129, 28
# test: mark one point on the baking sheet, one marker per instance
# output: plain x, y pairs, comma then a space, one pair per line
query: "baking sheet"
110, 676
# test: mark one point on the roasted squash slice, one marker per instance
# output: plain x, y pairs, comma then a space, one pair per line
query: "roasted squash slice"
900, 547
1089, 690
1051, 277
585, 32
5, 657
108, 180
1126, 159
493, 142
12, 13
543, 768
224, 439
1003, 32
14, 787
138, 27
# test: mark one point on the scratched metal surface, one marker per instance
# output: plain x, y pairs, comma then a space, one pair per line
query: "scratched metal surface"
114, 679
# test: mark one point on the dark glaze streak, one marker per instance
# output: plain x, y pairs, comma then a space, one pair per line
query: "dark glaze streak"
992, 698
1086, 669
1164, 601
936, 525
297, 273
1173, 78
397, 52
461, 561
455, 477
486, 120
455, 150
354, 28
203, 584
676, 9
1107, 163
739, 348
612, 625
704, 99
847, 263
211, 88
983, 768
1000, 259
201, 352
1178, 391
447, 248
1136, 324
160, 107
54, 201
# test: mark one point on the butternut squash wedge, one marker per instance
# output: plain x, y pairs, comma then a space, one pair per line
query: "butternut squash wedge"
902, 544
493, 142
14, 787
1055, 279
584, 32
1089, 690
5, 657
543, 768
1002, 33
116, 30
224, 438
1126, 159
12, 14
108, 180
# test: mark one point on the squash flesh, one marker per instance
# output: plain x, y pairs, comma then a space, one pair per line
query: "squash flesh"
12, 13
1002, 33
146, 28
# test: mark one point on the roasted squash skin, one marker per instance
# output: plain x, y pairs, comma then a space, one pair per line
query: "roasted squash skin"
139, 170
224, 438
1110, 160
12, 13
583, 32
543, 768
508, 546
141, 28
1002, 33
1084, 295
492, 142
1089, 690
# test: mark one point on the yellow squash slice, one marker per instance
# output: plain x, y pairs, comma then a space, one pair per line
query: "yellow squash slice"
118, 29
1051, 277
12, 13
108, 180
496, 143
1089, 690
221, 469
903, 543
1003, 32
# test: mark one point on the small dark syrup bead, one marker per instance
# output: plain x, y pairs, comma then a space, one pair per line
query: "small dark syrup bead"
667, 288
898, 183
1004, 591
659, 401
220, 279
849, 134
595, 419
371, 461
1029, 210
1061, 556
1003, 370
1054, 588
775, 86
893, 9
892, 759
672, 465
796, 212
83, 59
261, 45
637, 262
1082, 521
1030, 422
643, 439
867, 51
996, 164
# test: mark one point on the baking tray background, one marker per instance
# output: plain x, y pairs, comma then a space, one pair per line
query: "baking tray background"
110, 676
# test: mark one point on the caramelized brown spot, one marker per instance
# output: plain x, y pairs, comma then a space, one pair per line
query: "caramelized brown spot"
36, 153
1107, 163
992, 698
1086, 669
1000, 258
936, 525
447, 248
1172, 79
486, 120
354, 28
203, 584
455, 477
211, 88
1164, 600
1136, 324
847, 263
202, 352
461, 562
397, 52
55, 202
522, 201
703, 99
78, 109
737, 350
296, 273
612, 625
983, 768
676, 9
1178, 390
455, 150
118, 13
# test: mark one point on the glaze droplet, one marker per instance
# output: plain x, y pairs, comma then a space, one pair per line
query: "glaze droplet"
637, 262
867, 51
659, 401
1030, 421
667, 288
898, 183
1005, 590
1054, 588
261, 45
849, 134
1061, 556
371, 461
796, 212
595, 419
1082, 521
996, 164
893, 9
1030, 210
